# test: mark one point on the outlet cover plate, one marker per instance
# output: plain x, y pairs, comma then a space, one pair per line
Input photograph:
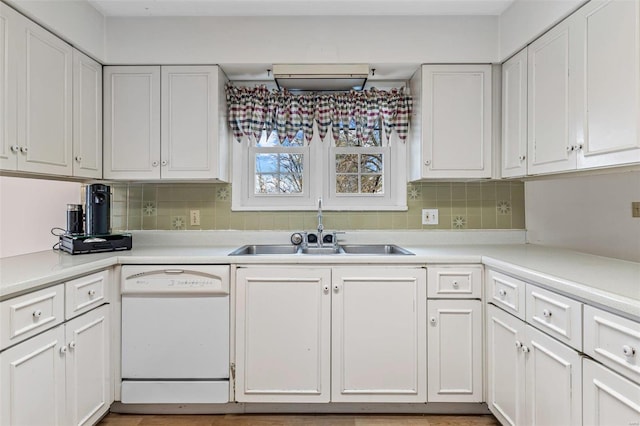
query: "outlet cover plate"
194, 216
635, 209
429, 216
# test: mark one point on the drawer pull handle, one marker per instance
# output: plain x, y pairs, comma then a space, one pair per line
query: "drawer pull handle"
433, 321
628, 351
518, 344
502, 292
546, 313
455, 284
37, 314
92, 293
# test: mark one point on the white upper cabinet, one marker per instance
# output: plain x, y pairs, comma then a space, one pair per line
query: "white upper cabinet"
584, 91
87, 117
550, 134
451, 122
608, 110
181, 134
132, 122
514, 116
36, 102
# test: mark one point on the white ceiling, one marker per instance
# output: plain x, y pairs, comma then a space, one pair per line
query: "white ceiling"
299, 7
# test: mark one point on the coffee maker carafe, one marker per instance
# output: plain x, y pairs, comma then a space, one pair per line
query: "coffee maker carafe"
98, 213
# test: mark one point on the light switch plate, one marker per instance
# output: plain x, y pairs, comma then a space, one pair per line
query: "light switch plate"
429, 216
194, 216
635, 209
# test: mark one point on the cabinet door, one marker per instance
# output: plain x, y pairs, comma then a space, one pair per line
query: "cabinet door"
9, 148
87, 367
505, 366
554, 381
283, 328
550, 133
189, 138
378, 335
454, 351
457, 121
32, 382
609, 70
514, 115
132, 122
87, 116
608, 399
45, 115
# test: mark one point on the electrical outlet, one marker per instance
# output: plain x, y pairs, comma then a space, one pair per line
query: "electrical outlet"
635, 209
194, 215
429, 216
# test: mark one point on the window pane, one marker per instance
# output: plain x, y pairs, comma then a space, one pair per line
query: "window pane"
371, 184
279, 173
371, 163
347, 184
347, 163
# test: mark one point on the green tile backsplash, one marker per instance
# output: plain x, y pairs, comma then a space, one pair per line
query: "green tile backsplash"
477, 205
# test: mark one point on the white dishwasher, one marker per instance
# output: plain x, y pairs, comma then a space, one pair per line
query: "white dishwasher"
175, 334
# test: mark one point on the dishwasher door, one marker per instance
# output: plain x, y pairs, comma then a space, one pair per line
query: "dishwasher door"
175, 333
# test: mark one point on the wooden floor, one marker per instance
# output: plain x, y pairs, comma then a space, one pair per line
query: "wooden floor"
296, 419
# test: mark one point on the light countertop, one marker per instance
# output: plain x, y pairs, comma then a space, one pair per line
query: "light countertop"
600, 281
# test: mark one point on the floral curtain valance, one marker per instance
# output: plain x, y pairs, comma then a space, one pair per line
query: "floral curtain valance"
252, 110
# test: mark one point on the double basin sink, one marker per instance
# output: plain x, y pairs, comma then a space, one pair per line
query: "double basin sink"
343, 249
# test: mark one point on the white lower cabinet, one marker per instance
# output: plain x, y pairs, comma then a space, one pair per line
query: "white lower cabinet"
322, 334
532, 378
608, 398
455, 350
59, 377
378, 335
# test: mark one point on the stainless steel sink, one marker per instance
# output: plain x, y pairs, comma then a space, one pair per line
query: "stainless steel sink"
252, 250
347, 249
375, 249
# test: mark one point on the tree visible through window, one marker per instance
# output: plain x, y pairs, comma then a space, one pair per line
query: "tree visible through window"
279, 167
359, 162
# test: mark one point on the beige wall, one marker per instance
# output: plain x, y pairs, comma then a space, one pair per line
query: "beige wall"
586, 213
29, 208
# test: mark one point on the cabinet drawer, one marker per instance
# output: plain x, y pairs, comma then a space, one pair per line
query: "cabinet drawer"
556, 315
506, 292
448, 282
85, 293
25, 316
613, 340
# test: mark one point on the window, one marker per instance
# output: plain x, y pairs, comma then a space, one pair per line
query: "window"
357, 168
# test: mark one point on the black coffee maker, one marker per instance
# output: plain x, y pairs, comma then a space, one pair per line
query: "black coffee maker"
98, 212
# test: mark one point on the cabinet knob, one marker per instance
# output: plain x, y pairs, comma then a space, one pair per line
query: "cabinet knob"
336, 288
628, 351
63, 350
546, 313
326, 288
455, 284
72, 345
427, 163
24, 149
164, 162
78, 159
15, 148
579, 147
433, 321
154, 164
570, 148
37, 314
518, 344
502, 292
91, 293
525, 349
522, 158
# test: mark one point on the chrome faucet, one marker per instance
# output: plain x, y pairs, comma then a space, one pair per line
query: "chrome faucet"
320, 226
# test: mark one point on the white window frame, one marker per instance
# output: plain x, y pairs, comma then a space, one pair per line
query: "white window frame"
319, 177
